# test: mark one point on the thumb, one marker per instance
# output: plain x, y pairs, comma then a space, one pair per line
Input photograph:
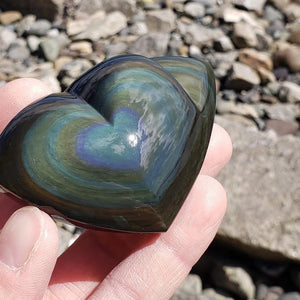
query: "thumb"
28, 252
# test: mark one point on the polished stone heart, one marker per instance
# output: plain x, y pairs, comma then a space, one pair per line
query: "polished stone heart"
120, 149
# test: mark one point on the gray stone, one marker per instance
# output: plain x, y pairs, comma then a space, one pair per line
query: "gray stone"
292, 91
24, 24
256, 5
17, 52
161, 20
115, 49
195, 52
265, 293
263, 211
151, 44
75, 68
51, 47
81, 47
234, 279
77, 26
224, 62
194, 10
138, 28
282, 127
212, 294
290, 296
33, 43
271, 14
7, 36
48, 9
189, 289
223, 44
280, 111
39, 27
244, 35
200, 36
292, 12
242, 77
127, 7
111, 25
175, 44
90, 6
229, 107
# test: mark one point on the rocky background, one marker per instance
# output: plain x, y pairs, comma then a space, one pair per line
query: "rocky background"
254, 48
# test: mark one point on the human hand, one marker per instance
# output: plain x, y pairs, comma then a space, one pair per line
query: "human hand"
101, 264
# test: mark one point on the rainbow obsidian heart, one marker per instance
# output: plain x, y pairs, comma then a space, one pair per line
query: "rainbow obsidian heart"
120, 149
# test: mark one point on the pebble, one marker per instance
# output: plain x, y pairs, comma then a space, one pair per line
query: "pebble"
119, 48
256, 5
244, 35
39, 28
242, 77
99, 28
194, 10
290, 92
17, 52
7, 36
282, 127
151, 44
8, 17
75, 68
33, 43
288, 57
81, 47
256, 59
223, 44
160, 20
50, 49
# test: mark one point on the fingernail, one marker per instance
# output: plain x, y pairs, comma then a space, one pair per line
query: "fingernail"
19, 236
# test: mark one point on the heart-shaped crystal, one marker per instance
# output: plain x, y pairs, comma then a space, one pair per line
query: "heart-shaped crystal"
120, 149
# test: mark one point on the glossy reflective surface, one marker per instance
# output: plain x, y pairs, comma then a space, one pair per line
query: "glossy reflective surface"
120, 149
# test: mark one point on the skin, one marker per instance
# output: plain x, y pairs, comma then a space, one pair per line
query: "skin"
105, 265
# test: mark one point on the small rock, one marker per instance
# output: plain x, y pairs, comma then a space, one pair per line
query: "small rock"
17, 52
23, 25
39, 28
127, 7
195, 52
7, 36
194, 10
223, 63
233, 15
77, 26
75, 68
292, 92
271, 14
81, 47
211, 294
161, 20
288, 57
281, 74
151, 44
290, 296
282, 127
265, 293
265, 75
256, 5
50, 49
8, 17
229, 107
115, 49
252, 96
279, 4
175, 44
89, 7
295, 34
60, 62
33, 43
234, 279
138, 28
200, 36
243, 35
223, 44
256, 59
189, 289
292, 12
111, 25
242, 77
